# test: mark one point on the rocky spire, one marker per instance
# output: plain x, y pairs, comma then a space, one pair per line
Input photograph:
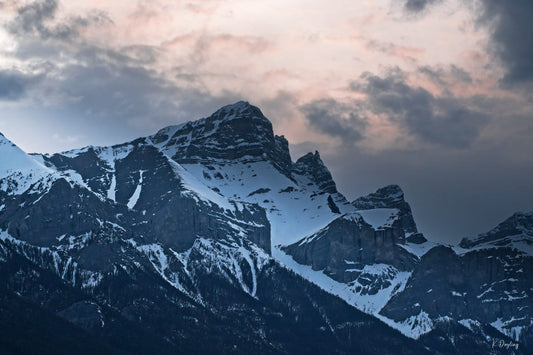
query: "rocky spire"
311, 165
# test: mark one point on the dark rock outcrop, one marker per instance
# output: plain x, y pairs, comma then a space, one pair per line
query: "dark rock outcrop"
311, 165
486, 285
390, 196
517, 228
348, 244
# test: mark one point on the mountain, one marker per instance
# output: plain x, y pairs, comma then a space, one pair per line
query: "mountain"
484, 281
516, 232
207, 237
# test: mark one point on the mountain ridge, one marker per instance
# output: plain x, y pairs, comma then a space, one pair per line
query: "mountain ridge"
178, 209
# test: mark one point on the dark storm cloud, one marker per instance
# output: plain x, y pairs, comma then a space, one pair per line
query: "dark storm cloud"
335, 119
36, 18
512, 36
118, 88
460, 74
415, 6
511, 33
15, 84
32, 17
445, 120
98, 81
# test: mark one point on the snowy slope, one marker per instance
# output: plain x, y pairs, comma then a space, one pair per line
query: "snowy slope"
295, 208
352, 292
18, 170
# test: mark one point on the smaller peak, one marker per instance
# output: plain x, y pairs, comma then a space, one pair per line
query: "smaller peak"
521, 215
387, 196
520, 221
15, 160
390, 196
312, 166
310, 158
519, 224
392, 190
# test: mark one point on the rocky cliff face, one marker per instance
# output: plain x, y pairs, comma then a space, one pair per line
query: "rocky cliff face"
365, 249
390, 196
345, 246
486, 284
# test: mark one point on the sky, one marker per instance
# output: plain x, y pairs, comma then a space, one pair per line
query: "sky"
433, 95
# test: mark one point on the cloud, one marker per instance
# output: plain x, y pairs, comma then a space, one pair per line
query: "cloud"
512, 36
37, 19
204, 46
15, 84
511, 33
446, 76
32, 17
94, 80
416, 6
395, 50
336, 119
444, 120
114, 84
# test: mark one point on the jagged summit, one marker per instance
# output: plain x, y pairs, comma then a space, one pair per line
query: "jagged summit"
389, 196
240, 109
311, 165
515, 231
234, 132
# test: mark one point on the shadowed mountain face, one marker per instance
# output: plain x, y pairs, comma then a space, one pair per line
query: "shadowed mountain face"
207, 237
390, 197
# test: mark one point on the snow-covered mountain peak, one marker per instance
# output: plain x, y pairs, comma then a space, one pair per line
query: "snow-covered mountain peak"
237, 132
12, 158
194, 217
18, 170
